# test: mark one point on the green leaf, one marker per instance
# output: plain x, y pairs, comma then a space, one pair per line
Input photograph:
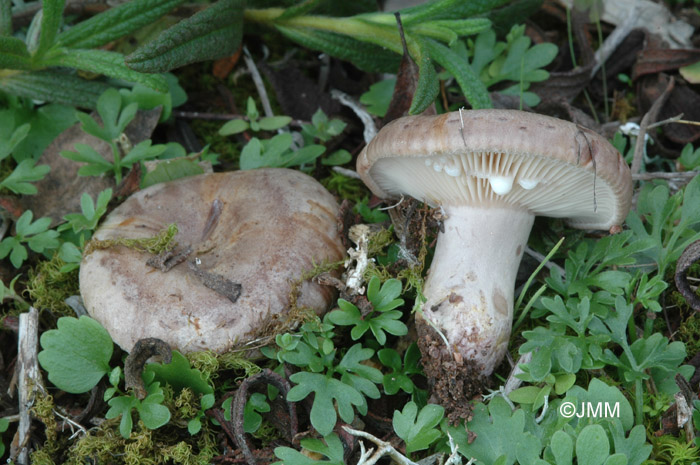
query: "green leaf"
77, 354
427, 88
326, 390
153, 415
207, 35
378, 97
122, 405
180, 375
418, 433
52, 15
272, 123
169, 170
5, 30
562, 448
110, 64
46, 122
634, 447
498, 431
525, 395
53, 86
14, 54
19, 180
251, 418
115, 22
86, 154
472, 87
142, 151
339, 157
592, 446
235, 126
367, 57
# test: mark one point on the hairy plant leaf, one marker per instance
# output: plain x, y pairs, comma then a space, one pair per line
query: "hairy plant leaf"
447, 9
474, 90
427, 88
52, 14
108, 63
76, 355
213, 33
367, 57
5, 30
14, 54
54, 86
115, 23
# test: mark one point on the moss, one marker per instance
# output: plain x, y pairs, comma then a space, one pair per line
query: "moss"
163, 241
48, 287
673, 451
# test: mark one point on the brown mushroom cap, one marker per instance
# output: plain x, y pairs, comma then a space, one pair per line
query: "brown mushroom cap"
261, 229
483, 157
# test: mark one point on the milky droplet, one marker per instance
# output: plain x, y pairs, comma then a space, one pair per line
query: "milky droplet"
501, 185
528, 184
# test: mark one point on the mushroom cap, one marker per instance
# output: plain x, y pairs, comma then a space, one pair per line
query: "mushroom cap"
501, 157
261, 229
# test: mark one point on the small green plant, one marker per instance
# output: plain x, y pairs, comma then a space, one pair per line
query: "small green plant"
76, 356
345, 382
36, 235
277, 152
382, 318
150, 409
254, 123
115, 118
324, 129
251, 418
4, 424
690, 158
86, 221
418, 429
400, 376
26, 172
332, 450
514, 61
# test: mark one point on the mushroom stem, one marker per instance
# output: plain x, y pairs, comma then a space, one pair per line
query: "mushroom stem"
470, 284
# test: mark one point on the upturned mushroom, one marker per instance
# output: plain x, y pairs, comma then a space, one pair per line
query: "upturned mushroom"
492, 172
244, 237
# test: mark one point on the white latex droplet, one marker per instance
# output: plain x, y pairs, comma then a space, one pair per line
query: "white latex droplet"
501, 185
453, 169
437, 167
528, 184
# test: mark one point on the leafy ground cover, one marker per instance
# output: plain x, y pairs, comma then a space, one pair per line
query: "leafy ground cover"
97, 103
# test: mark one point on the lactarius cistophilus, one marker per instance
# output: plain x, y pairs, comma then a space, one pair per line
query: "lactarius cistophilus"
243, 239
492, 172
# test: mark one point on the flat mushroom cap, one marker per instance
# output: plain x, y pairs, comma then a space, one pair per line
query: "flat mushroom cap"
261, 229
549, 166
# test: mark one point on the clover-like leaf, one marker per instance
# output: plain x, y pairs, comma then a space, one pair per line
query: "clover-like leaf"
417, 429
76, 355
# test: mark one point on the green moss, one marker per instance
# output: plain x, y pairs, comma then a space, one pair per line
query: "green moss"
163, 241
48, 287
670, 450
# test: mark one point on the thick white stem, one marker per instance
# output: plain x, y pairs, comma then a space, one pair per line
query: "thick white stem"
469, 288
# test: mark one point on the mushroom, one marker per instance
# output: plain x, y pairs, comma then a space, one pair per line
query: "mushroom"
244, 238
491, 172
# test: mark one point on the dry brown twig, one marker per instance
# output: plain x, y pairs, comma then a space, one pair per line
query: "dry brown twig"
649, 118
